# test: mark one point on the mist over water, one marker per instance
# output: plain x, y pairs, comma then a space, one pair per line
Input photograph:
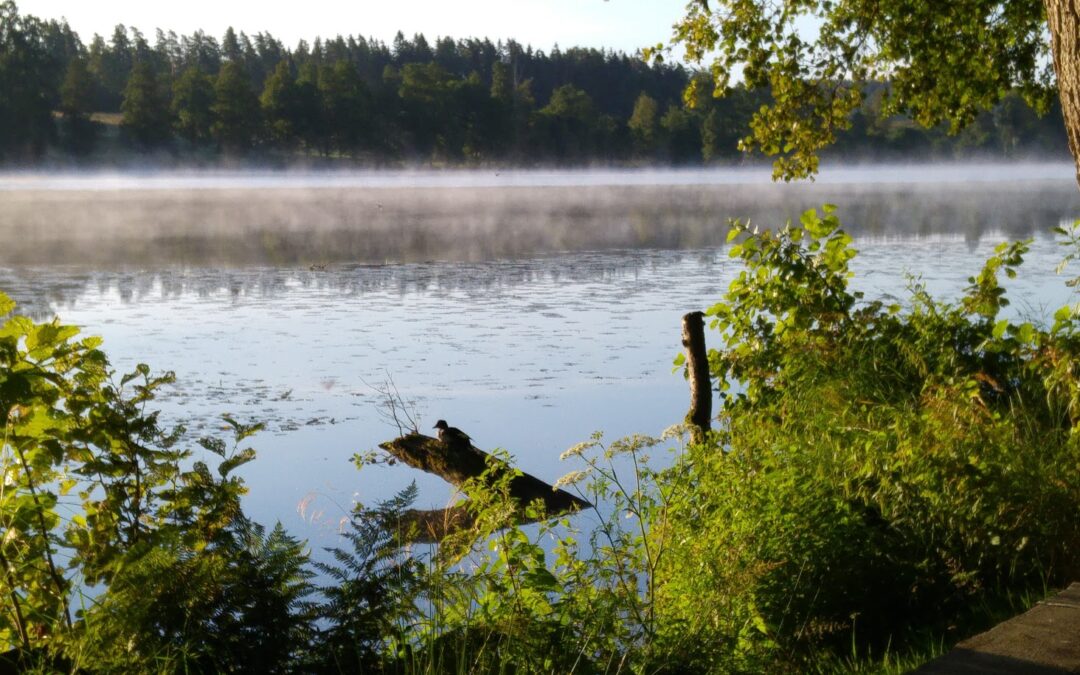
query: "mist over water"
529, 309
295, 219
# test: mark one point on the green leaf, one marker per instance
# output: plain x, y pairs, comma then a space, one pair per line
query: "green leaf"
999, 328
240, 458
6, 304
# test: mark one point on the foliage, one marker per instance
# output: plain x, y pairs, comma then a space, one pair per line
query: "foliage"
29, 78
237, 605
77, 93
235, 109
192, 101
817, 58
146, 107
508, 598
643, 123
372, 601
876, 471
279, 101
469, 101
101, 511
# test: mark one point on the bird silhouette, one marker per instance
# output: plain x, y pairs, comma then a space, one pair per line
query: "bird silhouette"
452, 435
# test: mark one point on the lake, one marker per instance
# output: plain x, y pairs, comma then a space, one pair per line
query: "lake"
528, 308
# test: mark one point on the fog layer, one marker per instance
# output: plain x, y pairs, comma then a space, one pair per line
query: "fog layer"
302, 219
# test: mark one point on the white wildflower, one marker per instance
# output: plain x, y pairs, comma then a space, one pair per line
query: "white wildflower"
570, 479
675, 431
575, 451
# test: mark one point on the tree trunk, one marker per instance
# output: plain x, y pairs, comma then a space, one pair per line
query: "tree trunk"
1063, 17
697, 368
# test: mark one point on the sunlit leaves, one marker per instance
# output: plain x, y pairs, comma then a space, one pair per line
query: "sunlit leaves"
91, 482
939, 61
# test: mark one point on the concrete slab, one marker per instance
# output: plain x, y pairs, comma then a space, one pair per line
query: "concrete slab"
1044, 640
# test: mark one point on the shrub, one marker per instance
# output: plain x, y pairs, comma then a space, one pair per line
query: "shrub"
876, 470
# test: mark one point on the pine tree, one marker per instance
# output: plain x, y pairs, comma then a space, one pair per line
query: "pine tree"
145, 107
77, 95
347, 104
279, 104
193, 100
236, 110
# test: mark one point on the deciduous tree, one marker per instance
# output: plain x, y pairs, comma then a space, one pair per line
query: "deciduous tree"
643, 123
943, 62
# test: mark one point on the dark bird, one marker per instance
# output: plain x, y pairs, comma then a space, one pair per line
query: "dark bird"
452, 435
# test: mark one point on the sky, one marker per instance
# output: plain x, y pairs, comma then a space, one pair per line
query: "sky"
624, 25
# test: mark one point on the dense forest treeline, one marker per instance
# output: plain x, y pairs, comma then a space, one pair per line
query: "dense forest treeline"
197, 98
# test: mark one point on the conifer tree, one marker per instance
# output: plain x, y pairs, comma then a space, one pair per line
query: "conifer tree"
192, 105
145, 107
236, 110
77, 95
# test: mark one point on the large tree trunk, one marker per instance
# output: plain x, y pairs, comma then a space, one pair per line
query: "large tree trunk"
1063, 17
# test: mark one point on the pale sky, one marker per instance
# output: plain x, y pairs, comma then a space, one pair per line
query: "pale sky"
624, 25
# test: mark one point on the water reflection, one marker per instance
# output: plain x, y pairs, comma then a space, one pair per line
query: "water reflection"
43, 290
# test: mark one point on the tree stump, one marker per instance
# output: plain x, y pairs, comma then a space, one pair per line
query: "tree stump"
697, 368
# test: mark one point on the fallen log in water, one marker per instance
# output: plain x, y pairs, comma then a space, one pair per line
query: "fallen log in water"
456, 464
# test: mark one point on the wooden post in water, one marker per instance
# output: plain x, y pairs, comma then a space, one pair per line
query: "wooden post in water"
697, 367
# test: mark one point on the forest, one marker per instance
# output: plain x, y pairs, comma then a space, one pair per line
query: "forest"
196, 99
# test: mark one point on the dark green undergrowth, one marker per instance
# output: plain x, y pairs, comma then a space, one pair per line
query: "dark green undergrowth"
880, 482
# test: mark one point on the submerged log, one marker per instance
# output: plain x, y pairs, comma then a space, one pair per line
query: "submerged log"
697, 367
456, 464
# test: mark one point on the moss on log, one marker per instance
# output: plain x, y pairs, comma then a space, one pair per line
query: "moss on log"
458, 463
697, 370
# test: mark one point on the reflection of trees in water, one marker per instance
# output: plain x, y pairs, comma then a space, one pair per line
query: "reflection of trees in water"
284, 231
43, 291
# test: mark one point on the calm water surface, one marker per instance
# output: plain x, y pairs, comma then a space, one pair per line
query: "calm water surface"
532, 351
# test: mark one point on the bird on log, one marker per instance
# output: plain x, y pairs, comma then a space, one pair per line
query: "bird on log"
454, 458
452, 435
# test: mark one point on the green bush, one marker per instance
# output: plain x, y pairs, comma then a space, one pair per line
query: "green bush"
118, 550
876, 470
